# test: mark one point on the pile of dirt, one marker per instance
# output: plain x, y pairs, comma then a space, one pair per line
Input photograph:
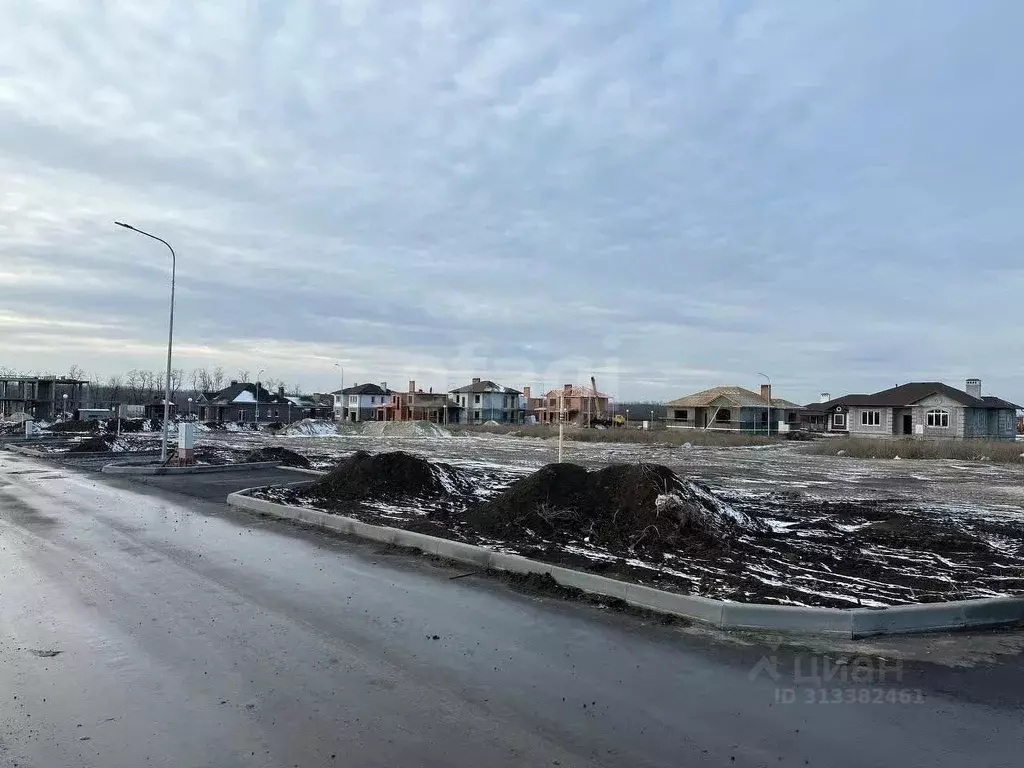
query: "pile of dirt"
282, 456
97, 444
75, 426
625, 507
393, 476
310, 428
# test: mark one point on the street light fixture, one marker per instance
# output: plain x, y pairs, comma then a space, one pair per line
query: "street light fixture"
190, 409
769, 402
344, 400
65, 396
170, 339
256, 389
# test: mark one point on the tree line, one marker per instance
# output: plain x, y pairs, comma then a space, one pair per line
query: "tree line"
140, 386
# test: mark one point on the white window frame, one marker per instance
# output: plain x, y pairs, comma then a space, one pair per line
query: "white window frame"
871, 418
937, 418
353, 400
838, 419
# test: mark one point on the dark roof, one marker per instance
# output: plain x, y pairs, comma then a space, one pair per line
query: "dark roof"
228, 394
485, 386
906, 395
363, 389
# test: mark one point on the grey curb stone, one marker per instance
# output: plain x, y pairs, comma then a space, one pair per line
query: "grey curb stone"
853, 623
155, 469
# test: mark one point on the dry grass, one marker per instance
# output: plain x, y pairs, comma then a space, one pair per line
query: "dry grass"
617, 435
964, 450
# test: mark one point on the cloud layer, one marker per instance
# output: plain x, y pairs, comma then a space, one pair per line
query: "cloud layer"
671, 195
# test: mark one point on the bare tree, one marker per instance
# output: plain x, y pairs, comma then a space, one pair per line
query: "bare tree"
217, 378
76, 372
177, 377
243, 375
114, 388
133, 380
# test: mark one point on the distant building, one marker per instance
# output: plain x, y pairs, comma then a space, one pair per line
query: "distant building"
481, 401
242, 402
315, 406
360, 402
41, 397
417, 405
925, 409
578, 404
733, 409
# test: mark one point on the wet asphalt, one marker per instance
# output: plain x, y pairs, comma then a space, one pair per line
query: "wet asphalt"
146, 623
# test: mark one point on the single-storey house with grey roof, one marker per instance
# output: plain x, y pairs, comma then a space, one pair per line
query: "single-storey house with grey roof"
922, 409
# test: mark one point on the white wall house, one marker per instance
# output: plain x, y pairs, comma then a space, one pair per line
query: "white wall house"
360, 402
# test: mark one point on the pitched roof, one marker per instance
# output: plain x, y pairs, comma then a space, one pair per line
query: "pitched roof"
577, 392
738, 396
907, 394
363, 389
230, 394
485, 386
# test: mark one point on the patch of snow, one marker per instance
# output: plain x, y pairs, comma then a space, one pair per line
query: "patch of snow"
245, 396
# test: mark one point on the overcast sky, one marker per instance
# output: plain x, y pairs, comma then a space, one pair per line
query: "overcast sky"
671, 195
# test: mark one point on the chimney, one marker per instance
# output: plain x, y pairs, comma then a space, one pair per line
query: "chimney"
233, 382
766, 392
280, 390
567, 387
825, 397
384, 386
973, 388
476, 379
412, 385
526, 394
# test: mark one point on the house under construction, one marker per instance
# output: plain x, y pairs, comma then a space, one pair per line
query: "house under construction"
41, 397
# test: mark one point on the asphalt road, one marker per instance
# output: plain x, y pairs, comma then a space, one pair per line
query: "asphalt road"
140, 626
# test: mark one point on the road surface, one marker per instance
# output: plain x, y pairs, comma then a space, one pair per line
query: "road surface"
144, 627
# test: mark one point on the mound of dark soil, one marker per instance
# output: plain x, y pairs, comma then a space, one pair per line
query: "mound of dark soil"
388, 476
281, 455
75, 426
127, 425
632, 507
906, 531
98, 444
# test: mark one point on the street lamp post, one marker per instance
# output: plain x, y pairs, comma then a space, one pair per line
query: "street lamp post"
170, 340
256, 389
627, 418
190, 409
769, 425
344, 402
65, 396
652, 419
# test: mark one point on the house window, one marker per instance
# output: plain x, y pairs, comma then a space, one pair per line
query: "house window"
276, 412
723, 414
373, 399
353, 399
871, 418
838, 419
476, 399
476, 415
681, 415
938, 418
791, 416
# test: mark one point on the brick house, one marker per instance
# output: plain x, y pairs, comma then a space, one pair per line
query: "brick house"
417, 405
923, 410
580, 405
243, 402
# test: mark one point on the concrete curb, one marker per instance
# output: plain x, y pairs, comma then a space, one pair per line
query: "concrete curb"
303, 470
155, 469
852, 623
29, 451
